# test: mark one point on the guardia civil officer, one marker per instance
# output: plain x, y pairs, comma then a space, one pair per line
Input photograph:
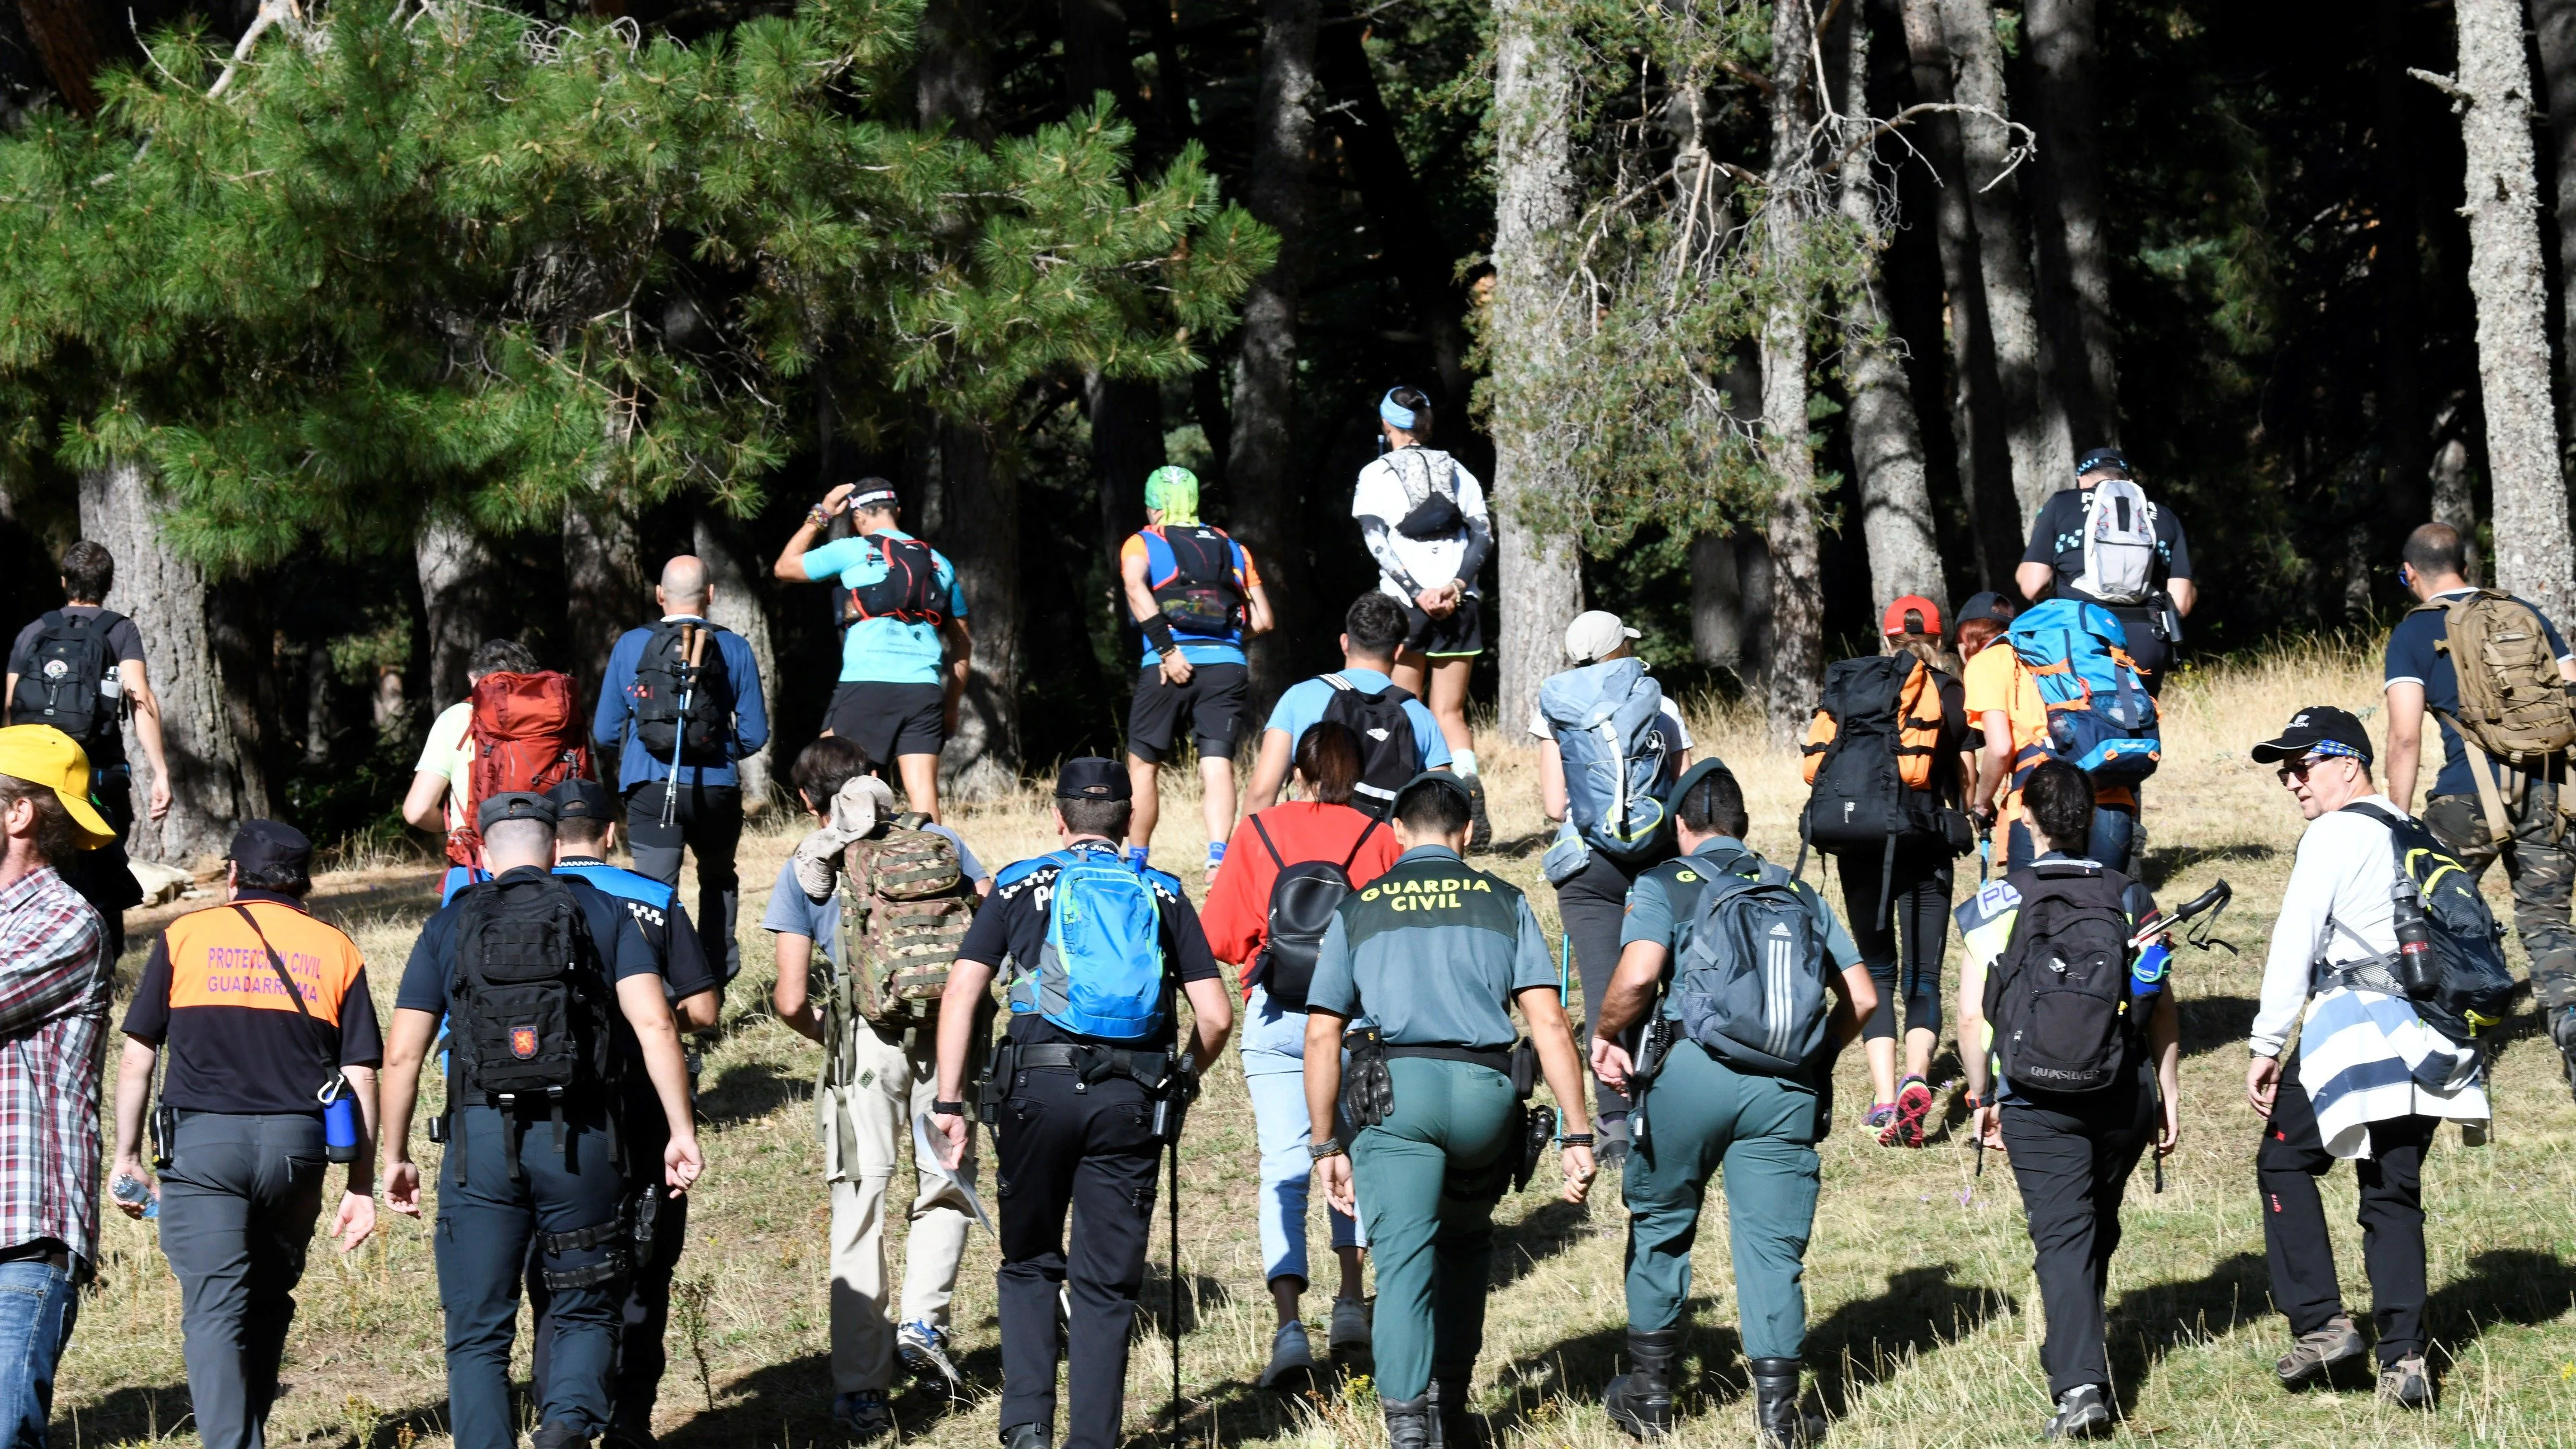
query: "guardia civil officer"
531, 1127
1703, 1113
585, 834
1435, 954
1076, 1093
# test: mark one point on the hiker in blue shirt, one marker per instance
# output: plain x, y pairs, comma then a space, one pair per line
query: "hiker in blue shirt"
655, 705
1361, 695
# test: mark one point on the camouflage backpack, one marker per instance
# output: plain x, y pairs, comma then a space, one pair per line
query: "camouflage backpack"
905, 905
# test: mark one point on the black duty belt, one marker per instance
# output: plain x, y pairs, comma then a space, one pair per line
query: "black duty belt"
1497, 1058
1149, 1070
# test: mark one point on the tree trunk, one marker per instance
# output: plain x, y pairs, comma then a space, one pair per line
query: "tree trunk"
2396, 270
214, 780
2452, 498
2066, 185
1262, 470
953, 79
459, 579
1976, 411
606, 591
2034, 425
2555, 20
2532, 555
980, 506
742, 605
74, 39
1795, 673
1717, 602
1541, 577
1887, 446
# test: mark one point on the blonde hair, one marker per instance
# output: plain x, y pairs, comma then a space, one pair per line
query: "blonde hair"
1926, 647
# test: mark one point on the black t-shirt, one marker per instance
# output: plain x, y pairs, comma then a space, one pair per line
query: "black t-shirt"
124, 646
2057, 540
1009, 935
429, 978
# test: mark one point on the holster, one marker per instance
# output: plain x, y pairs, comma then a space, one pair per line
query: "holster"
646, 1217
611, 1235
993, 1087
1538, 1129
165, 1135
1368, 1089
1653, 1048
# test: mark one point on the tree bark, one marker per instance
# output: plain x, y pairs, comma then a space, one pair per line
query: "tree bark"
75, 39
2034, 425
2396, 271
1794, 675
2532, 552
2451, 497
1731, 603
2066, 185
980, 510
459, 584
1262, 469
2555, 22
742, 605
1887, 446
606, 591
953, 79
214, 779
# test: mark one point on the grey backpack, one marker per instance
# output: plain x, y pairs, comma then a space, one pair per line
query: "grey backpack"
1750, 986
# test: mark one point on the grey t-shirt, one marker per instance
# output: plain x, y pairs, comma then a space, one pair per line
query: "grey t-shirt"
792, 912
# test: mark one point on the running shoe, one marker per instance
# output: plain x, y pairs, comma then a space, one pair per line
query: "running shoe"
1880, 1115
2406, 1383
924, 1350
863, 1415
1913, 1104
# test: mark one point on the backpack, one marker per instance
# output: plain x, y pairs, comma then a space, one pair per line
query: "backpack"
904, 912
1200, 595
2476, 989
1302, 900
683, 704
1870, 755
2119, 544
527, 735
531, 1013
2100, 718
2513, 706
1750, 986
2058, 995
909, 590
1604, 717
1388, 758
71, 681
1100, 973
1429, 478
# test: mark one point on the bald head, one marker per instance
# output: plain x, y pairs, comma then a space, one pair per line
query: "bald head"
683, 589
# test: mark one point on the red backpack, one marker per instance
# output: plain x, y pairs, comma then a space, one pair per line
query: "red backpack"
527, 736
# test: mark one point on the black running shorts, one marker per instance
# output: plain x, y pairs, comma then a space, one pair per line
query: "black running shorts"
1460, 636
889, 721
1214, 699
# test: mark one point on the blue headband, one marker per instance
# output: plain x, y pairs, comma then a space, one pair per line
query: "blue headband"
1395, 413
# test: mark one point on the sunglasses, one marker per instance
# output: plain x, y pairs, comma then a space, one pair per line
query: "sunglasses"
2300, 767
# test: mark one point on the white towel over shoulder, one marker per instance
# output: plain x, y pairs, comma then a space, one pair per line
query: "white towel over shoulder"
2365, 1056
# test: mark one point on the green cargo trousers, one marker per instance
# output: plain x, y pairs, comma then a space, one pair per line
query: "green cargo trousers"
2539, 859
1427, 1179
1702, 1115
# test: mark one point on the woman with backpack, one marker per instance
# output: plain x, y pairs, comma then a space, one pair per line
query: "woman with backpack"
1305, 837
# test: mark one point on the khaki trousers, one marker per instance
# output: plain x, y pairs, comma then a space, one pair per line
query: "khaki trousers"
866, 1127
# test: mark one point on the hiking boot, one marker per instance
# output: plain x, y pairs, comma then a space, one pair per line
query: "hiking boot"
2563, 1032
1913, 1104
2406, 1383
1881, 1115
1349, 1333
863, 1415
1480, 828
1025, 1436
1611, 1143
1410, 1423
558, 1435
1292, 1359
1641, 1400
1454, 1421
2082, 1413
924, 1350
1783, 1421
2314, 1355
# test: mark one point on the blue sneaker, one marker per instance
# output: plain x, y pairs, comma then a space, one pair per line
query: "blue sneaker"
863, 1415
924, 1350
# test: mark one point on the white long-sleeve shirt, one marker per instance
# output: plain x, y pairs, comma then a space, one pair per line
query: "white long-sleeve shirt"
2342, 874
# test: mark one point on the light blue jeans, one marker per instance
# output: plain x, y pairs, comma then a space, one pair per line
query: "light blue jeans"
1274, 1072
38, 1303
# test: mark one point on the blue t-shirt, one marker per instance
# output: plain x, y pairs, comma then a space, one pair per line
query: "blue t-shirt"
2413, 659
637, 766
885, 651
793, 913
1303, 704
1160, 566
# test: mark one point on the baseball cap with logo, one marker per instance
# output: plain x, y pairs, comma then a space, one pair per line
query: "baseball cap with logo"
1089, 777
43, 755
2318, 729
1593, 634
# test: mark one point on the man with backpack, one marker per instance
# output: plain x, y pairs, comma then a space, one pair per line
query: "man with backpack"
2502, 793
2385, 960
2071, 1044
552, 995
1729, 1077
517, 729
681, 704
1195, 595
1398, 736
905, 645
1085, 1093
862, 964
1610, 746
2103, 541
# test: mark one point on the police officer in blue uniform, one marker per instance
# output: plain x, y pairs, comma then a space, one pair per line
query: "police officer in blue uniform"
1076, 1093
585, 835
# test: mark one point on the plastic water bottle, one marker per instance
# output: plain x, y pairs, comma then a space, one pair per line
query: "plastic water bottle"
2416, 969
2147, 973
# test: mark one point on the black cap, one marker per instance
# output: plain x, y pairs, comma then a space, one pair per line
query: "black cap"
2317, 724
1090, 777
514, 805
1988, 605
579, 799
1439, 779
271, 849
2097, 459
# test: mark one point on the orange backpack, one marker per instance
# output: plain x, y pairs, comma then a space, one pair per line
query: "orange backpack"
1918, 731
527, 735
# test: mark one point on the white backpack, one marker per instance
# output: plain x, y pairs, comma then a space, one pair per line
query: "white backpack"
2119, 544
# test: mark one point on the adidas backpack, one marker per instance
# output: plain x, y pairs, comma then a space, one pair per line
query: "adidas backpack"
2119, 543
681, 703
531, 1014
1387, 755
904, 912
2101, 719
1750, 986
527, 735
1100, 973
1604, 718
2058, 995
2475, 989
71, 682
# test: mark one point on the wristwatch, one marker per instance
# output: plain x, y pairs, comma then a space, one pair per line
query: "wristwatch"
1329, 1147
948, 1109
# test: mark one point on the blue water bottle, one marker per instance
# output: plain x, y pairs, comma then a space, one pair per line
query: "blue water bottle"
339, 1120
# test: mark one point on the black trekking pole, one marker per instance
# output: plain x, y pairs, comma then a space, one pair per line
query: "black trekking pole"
692, 647
1178, 1436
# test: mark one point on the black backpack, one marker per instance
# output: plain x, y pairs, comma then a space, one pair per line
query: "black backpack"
1302, 902
1860, 799
1387, 756
2058, 996
704, 730
1201, 596
67, 668
909, 590
2475, 989
531, 1014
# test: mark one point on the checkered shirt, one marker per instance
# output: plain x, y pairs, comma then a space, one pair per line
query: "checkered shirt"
55, 980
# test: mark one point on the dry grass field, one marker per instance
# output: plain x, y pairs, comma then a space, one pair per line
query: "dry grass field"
1923, 1309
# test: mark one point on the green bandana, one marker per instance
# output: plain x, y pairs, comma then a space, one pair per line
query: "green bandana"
1173, 492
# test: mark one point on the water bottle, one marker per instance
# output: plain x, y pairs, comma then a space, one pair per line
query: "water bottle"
339, 1120
2417, 971
2147, 973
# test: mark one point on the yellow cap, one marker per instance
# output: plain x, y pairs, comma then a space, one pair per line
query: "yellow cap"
44, 755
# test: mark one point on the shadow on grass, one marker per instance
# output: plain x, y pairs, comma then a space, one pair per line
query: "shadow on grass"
2148, 1323
2212, 1022
791, 1403
2162, 863
1541, 1234
1867, 1340
2504, 1285
747, 1092
151, 1413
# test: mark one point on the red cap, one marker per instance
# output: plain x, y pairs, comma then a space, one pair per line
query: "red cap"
1927, 617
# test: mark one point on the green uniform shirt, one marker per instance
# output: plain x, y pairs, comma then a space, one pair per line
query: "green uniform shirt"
1664, 898
1433, 952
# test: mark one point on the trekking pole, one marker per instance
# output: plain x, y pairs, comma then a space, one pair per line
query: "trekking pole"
1179, 1436
693, 642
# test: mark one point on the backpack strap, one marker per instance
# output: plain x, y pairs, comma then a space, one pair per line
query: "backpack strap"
1355, 845
1264, 832
277, 963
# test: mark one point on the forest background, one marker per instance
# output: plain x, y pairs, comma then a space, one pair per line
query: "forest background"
365, 331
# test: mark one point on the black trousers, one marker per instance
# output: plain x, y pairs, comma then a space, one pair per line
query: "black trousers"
1903, 947
1090, 1150
2071, 1156
2293, 1156
637, 1383
1592, 903
706, 819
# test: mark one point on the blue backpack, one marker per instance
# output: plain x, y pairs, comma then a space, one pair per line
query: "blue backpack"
1101, 972
2100, 717
1603, 717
